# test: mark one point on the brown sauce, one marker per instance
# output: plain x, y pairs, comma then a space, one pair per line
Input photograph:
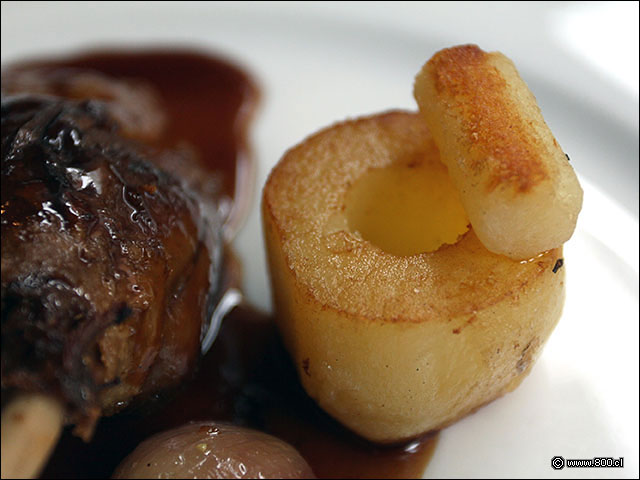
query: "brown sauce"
246, 378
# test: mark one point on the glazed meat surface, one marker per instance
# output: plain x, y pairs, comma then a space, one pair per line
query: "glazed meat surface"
110, 265
134, 106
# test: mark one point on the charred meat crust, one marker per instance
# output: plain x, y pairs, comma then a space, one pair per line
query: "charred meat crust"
104, 256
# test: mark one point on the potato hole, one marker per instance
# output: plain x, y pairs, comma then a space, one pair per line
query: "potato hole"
407, 208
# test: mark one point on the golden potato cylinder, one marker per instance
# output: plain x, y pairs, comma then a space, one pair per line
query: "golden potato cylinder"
517, 186
394, 346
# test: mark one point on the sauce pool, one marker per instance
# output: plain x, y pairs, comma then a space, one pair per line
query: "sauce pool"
246, 378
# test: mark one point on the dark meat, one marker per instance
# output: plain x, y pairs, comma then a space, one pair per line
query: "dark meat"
133, 105
110, 265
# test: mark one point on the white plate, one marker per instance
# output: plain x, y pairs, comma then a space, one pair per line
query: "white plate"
320, 63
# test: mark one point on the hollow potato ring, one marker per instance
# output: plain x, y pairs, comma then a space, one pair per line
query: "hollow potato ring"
394, 346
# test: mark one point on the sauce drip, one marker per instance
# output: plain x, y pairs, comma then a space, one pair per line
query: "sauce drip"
247, 379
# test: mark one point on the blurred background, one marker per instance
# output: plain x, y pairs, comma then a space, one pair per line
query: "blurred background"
318, 63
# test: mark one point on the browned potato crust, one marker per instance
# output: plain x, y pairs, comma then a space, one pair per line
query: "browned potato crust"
394, 346
518, 188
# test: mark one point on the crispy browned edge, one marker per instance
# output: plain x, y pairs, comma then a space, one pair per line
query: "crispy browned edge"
492, 122
277, 178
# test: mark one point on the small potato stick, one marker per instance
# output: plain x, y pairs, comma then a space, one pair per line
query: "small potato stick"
516, 184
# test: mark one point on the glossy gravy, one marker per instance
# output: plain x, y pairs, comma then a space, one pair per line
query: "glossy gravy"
246, 378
